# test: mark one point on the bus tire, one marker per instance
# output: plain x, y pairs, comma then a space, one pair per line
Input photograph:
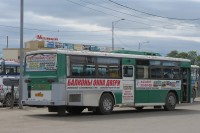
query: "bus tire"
74, 109
170, 102
52, 109
61, 110
106, 104
8, 100
139, 108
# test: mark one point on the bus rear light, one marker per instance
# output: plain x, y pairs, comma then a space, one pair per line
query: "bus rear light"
27, 81
50, 80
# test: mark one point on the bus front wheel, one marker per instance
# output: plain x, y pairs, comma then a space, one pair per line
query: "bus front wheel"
106, 104
170, 102
8, 100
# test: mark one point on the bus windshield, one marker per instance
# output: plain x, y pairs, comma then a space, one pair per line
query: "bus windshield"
9, 68
41, 62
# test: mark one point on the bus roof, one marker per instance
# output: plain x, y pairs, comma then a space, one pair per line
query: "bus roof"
103, 54
194, 66
10, 63
136, 52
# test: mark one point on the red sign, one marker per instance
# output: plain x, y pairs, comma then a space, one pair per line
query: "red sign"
47, 38
93, 82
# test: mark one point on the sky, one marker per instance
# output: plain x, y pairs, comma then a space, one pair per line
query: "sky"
149, 25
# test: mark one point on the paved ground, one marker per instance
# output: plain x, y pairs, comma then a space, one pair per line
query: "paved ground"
185, 119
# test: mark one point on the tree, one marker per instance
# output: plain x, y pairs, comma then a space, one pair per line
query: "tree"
173, 53
198, 60
191, 55
182, 55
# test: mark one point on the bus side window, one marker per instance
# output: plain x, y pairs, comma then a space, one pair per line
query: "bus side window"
142, 72
156, 73
128, 71
11, 71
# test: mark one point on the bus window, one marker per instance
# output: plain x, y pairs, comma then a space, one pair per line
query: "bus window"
142, 72
114, 71
104, 60
77, 70
156, 73
11, 70
170, 63
90, 70
2, 70
128, 71
103, 70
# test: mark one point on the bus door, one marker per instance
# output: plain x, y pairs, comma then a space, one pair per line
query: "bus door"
185, 85
128, 84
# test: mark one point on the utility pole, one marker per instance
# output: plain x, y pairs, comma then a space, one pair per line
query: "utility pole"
112, 35
21, 54
140, 43
7, 41
113, 27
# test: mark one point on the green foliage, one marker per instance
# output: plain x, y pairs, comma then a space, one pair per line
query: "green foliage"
182, 55
191, 55
173, 53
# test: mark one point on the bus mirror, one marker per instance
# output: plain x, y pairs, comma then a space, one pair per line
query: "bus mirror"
27, 81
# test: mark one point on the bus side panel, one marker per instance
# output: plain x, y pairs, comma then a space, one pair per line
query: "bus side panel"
118, 97
141, 96
58, 95
157, 96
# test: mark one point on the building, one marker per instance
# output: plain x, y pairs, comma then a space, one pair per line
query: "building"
45, 43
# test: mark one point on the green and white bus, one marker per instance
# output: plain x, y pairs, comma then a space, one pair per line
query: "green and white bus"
195, 71
71, 81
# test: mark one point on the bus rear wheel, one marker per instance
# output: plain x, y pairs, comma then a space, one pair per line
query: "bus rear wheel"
170, 102
106, 104
61, 110
74, 109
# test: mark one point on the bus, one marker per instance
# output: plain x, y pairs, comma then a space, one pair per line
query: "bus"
195, 71
8, 69
71, 81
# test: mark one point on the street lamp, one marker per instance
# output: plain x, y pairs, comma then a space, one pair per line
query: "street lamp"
140, 44
113, 26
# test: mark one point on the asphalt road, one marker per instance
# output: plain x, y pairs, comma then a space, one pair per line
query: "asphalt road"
185, 119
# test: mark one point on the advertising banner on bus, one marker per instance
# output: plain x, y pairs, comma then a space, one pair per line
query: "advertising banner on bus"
81, 83
158, 84
41, 62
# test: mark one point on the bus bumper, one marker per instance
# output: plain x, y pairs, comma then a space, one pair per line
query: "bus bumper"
43, 103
